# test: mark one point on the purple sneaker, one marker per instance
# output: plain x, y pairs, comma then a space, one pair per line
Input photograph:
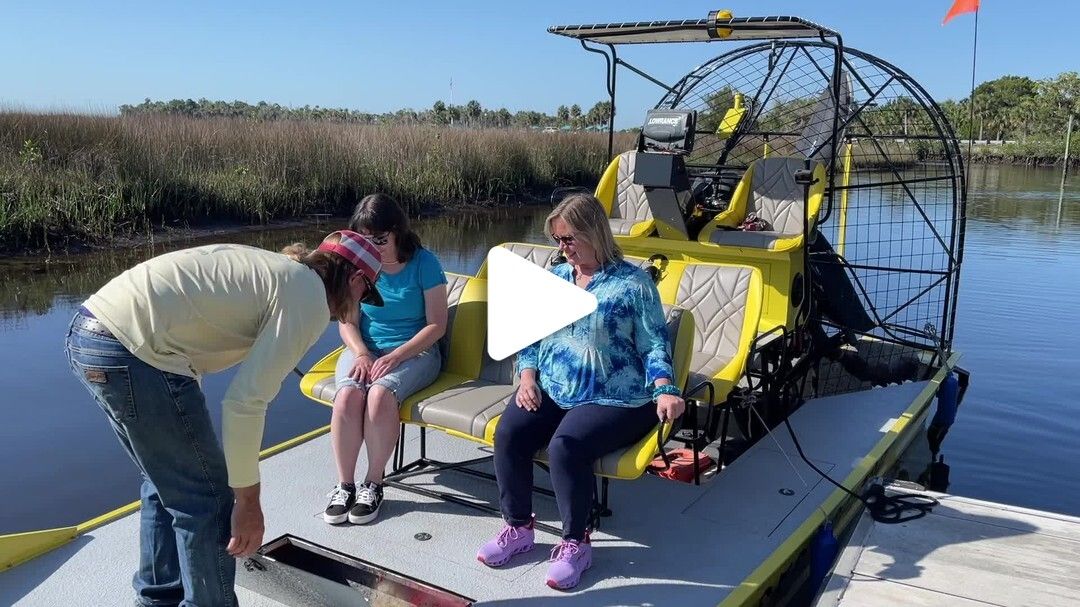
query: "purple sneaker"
569, 559
510, 541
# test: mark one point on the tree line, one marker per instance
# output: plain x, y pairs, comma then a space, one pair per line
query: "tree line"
1007, 108
1017, 108
471, 114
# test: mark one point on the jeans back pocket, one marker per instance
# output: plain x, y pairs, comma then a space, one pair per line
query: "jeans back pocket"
111, 388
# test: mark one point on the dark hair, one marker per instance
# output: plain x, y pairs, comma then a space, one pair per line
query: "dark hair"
335, 272
381, 213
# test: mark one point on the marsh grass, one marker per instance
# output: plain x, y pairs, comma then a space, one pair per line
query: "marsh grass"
67, 179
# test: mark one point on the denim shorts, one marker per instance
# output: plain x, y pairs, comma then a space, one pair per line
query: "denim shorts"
404, 380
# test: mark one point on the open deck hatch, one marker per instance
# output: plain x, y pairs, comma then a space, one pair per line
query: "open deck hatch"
294, 571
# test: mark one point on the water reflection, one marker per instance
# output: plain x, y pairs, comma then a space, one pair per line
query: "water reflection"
36, 285
1024, 197
52, 425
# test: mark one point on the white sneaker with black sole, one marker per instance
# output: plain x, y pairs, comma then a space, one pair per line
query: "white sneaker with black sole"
342, 497
369, 498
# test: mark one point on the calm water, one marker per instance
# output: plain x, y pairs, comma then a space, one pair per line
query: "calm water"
1014, 440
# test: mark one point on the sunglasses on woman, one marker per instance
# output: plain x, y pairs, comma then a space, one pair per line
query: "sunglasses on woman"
565, 240
369, 289
378, 239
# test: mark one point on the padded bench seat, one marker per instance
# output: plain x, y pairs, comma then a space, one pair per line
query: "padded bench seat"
468, 404
725, 302
469, 409
712, 312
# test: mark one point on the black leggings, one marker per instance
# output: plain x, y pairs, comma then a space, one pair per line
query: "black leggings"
575, 439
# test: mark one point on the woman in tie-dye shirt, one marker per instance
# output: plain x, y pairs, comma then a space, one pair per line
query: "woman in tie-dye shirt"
595, 386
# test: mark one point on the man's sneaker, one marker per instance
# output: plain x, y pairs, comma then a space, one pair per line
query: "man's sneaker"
569, 559
342, 497
368, 501
510, 541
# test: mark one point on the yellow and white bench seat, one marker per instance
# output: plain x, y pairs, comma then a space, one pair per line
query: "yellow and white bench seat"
464, 400
725, 301
471, 393
712, 312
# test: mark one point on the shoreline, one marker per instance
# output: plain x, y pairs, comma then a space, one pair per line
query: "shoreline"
76, 244
1032, 162
210, 229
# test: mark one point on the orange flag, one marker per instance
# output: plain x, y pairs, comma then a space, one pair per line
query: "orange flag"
959, 8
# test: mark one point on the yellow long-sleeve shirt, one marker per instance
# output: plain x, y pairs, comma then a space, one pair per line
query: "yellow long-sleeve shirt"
208, 308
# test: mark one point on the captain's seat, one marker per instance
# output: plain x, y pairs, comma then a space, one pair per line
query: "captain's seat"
626, 202
645, 191
769, 191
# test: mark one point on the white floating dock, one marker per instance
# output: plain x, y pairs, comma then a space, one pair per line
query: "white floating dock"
965, 553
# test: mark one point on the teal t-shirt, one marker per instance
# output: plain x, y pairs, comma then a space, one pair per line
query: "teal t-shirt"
403, 315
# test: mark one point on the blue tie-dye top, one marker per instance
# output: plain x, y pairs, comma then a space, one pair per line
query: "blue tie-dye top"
612, 356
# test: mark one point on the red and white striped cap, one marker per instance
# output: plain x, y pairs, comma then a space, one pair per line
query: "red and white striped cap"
363, 255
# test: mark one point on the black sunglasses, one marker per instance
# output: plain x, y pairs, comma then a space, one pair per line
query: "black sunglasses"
566, 240
369, 290
379, 240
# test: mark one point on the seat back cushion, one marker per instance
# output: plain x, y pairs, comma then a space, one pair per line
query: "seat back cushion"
622, 227
631, 201
716, 295
455, 286
775, 197
497, 371
679, 324
539, 254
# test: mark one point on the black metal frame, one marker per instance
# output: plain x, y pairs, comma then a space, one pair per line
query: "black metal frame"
952, 245
426, 465
601, 503
698, 437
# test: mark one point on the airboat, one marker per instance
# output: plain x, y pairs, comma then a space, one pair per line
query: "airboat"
800, 207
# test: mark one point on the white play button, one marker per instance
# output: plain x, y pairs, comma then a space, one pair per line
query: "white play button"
526, 303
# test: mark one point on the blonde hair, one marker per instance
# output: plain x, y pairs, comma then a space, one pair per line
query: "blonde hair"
589, 221
296, 251
335, 272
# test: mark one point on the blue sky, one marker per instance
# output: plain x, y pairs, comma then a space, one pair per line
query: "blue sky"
380, 56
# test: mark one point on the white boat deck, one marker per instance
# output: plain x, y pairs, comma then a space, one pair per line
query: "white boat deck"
965, 553
668, 543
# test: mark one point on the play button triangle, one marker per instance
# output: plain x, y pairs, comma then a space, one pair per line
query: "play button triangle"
526, 303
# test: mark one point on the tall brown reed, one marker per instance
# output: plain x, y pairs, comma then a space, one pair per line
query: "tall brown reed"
73, 178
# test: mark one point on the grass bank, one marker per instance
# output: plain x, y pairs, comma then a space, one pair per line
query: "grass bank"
72, 179
1032, 152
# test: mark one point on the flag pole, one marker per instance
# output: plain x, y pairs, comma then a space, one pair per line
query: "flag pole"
971, 98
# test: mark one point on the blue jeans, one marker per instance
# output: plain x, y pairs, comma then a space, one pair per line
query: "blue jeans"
162, 422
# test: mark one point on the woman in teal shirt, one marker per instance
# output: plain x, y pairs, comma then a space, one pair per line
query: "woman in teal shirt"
389, 354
